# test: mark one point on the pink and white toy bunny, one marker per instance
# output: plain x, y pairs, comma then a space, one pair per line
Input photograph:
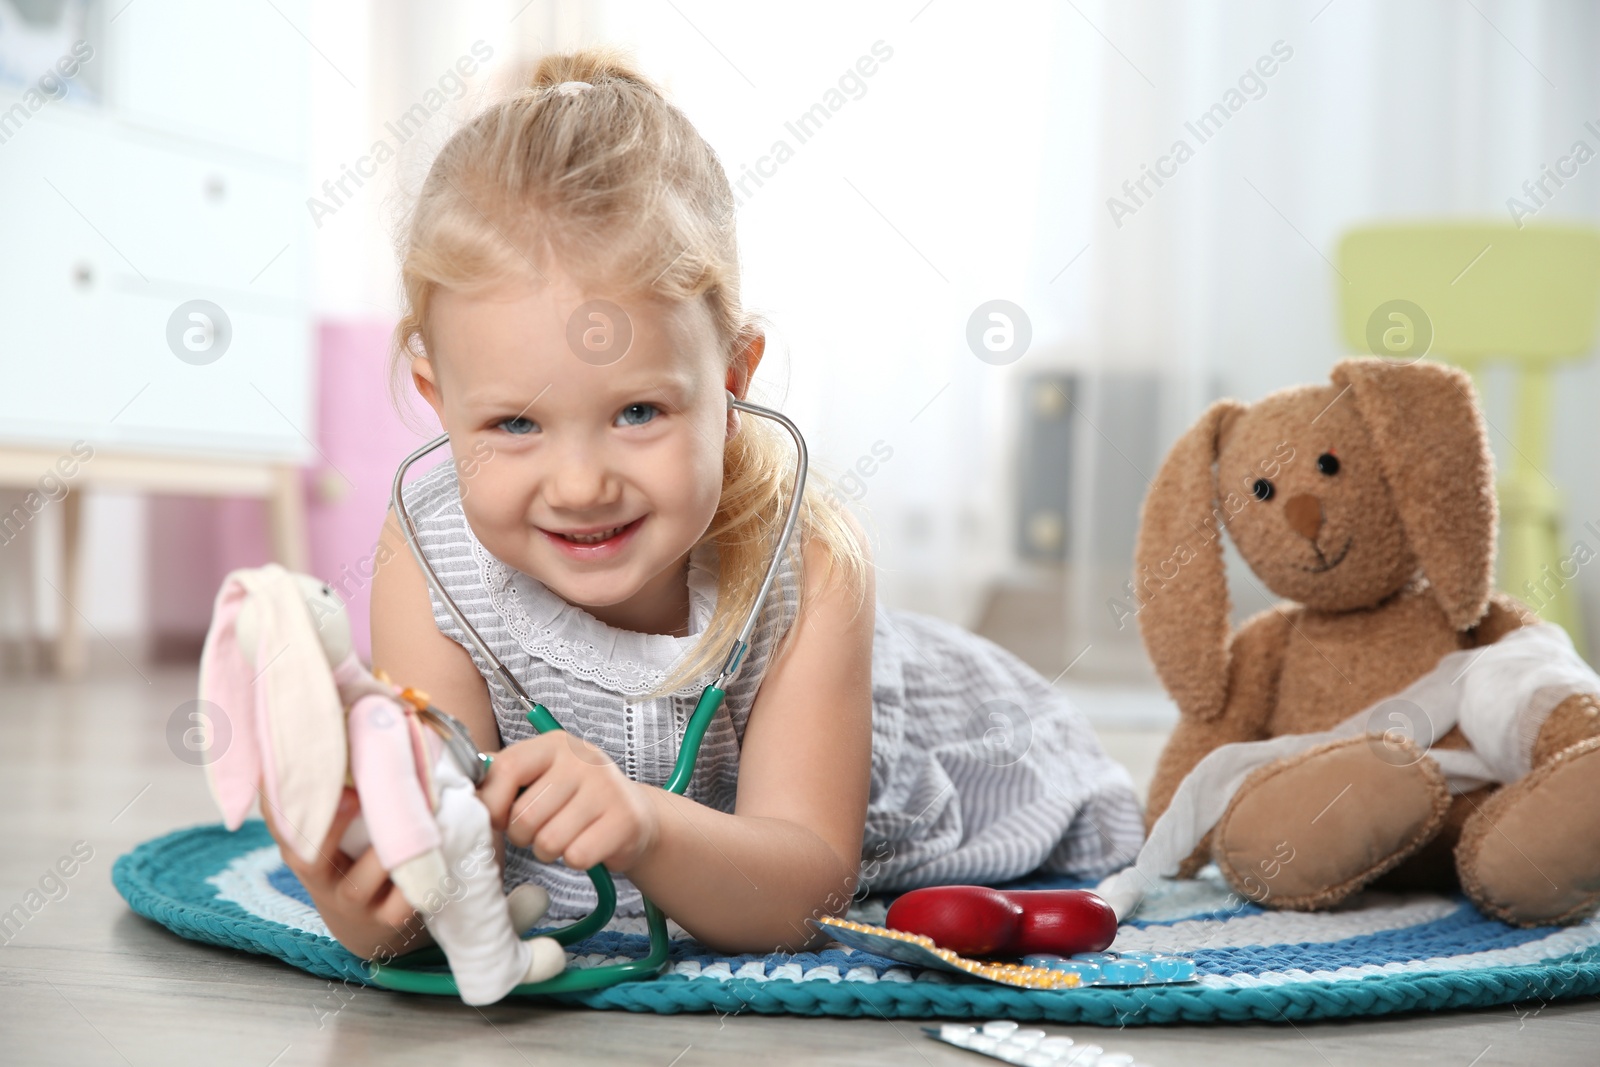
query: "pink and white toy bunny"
305, 717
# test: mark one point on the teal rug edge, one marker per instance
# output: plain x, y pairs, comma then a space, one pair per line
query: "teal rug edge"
139, 874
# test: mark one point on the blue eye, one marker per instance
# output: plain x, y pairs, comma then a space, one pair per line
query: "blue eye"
637, 414
517, 425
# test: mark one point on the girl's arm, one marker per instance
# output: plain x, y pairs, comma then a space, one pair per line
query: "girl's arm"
407, 644
354, 896
791, 850
741, 882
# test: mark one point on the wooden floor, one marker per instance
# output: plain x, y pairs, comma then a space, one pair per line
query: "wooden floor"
85, 981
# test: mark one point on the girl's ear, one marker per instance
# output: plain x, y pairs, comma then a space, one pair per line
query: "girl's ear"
746, 358
425, 378
1179, 578
1433, 450
747, 353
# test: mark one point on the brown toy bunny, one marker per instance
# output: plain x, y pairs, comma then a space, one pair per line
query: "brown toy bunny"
1369, 503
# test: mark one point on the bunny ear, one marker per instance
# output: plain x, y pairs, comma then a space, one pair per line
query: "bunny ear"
1178, 571
1432, 447
228, 708
300, 723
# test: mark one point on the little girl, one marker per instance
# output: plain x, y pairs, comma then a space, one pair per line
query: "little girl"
574, 319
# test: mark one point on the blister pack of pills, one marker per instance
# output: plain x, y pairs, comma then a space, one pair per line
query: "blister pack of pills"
1034, 972
1006, 1040
1118, 968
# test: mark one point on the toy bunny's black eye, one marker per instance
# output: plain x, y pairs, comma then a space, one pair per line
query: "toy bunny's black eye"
1262, 489
1328, 464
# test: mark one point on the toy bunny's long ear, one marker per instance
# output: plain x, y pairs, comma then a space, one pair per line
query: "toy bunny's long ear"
1432, 447
287, 723
301, 724
228, 694
1178, 570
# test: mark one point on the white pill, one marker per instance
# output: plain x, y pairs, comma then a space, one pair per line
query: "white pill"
1056, 1046
956, 1031
1000, 1028
983, 1043
1011, 1053
1083, 1056
1027, 1038
1038, 1059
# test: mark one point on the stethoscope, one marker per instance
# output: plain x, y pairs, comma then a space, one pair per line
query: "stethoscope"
476, 764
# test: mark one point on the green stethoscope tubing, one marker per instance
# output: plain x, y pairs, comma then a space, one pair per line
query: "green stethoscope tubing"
577, 980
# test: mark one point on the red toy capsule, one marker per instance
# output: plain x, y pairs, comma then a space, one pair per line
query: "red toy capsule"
975, 920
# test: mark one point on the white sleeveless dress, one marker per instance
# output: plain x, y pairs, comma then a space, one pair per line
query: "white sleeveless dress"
981, 770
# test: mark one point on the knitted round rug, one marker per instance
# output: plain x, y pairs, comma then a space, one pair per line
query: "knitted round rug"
1377, 955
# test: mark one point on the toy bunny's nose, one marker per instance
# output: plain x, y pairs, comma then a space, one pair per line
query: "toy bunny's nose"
1304, 513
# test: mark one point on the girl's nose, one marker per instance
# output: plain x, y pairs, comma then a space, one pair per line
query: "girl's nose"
581, 481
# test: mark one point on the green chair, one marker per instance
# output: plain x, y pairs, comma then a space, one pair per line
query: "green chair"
1476, 294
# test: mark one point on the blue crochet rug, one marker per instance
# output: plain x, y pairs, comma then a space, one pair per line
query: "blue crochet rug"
1383, 954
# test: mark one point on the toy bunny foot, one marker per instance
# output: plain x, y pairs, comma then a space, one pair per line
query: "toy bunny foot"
527, 903
1530, 855
1311, 829
546, 959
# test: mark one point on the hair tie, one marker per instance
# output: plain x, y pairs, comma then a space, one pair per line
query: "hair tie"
572, 88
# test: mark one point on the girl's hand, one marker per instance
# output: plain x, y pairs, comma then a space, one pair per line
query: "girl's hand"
364, 911
569, 801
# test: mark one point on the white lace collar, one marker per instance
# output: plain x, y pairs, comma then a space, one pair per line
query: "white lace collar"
575, 642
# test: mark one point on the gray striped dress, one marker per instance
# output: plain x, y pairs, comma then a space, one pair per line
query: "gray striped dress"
981, 770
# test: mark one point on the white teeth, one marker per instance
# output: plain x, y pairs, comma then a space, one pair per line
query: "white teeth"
594, 538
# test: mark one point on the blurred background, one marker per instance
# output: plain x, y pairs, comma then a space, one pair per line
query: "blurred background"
997, 286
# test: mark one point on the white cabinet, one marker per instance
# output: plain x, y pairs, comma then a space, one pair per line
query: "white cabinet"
227, 72
186, 183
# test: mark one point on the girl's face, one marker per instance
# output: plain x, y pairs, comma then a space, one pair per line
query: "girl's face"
593, 474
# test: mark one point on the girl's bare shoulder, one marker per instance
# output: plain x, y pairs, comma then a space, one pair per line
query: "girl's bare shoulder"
407, 643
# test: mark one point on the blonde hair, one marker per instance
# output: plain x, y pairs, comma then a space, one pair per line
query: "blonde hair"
613, 182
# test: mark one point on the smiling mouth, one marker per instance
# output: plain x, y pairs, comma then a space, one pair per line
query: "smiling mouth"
1327, 564
592, 537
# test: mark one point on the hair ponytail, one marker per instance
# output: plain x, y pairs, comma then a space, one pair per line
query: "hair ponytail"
593, 65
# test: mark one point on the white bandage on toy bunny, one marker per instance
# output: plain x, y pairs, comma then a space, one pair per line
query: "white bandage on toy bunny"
307, 717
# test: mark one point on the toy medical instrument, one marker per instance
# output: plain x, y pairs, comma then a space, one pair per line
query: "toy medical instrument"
1036, 971
979, 921
476, 764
